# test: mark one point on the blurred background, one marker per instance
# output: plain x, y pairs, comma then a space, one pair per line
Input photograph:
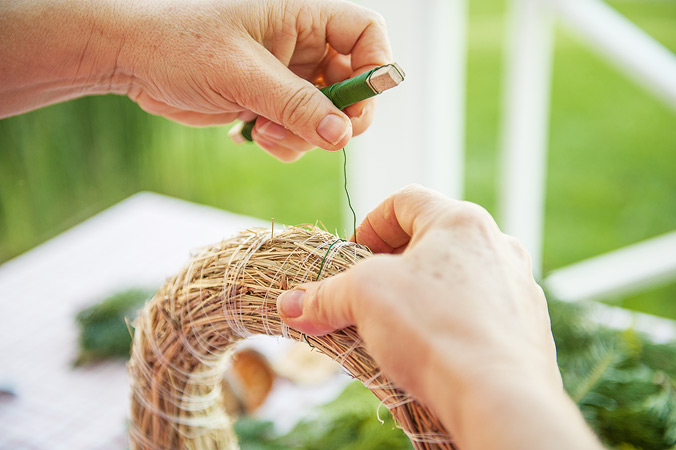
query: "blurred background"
611, 176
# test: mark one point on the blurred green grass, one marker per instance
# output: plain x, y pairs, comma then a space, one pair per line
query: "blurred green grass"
66, 162
612, 147
612, 157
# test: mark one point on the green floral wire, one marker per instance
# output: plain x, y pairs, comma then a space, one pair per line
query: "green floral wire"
347, 194
321, 266
354, 219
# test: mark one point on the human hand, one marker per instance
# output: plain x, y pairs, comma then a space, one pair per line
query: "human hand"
198, 62
450, 311
208, 63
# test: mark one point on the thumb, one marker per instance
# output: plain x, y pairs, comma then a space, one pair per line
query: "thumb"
275, 92
318, 308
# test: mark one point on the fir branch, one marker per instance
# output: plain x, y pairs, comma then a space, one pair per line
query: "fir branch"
595, 375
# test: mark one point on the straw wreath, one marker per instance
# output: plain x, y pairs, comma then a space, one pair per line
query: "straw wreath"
185, 335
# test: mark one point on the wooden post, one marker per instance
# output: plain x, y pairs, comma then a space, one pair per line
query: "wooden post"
525, 124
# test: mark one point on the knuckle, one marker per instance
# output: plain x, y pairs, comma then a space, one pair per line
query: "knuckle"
418, 190
412, 192
412, 188
378, 20
516, 245
474, 215
374, 18
519, 250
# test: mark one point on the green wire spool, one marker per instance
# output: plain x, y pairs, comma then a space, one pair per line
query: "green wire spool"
342, 94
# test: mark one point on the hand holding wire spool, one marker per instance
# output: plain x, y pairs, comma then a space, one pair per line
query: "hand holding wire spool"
200, 63
342, 94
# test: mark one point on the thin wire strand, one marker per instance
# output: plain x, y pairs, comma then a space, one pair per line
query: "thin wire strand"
354, 217
347, 194
321, 266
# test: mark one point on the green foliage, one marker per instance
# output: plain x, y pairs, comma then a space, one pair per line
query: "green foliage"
624, 384
255, 434
103, 329
348, 422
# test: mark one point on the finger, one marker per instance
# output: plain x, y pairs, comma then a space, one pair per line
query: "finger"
360, 33
520, 255
381, 239
329, 68
392, 223
273, 132
361, 115
277, 93
319, 308
247, 116
278, 151
336, 67
357, 39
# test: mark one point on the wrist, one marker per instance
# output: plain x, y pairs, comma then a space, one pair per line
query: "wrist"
95, 62
524, 414
471, 388
511, 409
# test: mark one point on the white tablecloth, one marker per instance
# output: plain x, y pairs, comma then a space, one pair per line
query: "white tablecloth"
138, 242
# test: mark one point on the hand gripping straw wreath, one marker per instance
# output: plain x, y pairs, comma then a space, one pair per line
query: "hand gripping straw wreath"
185, 335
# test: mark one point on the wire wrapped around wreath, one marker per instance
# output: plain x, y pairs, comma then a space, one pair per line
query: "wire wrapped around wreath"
185, 335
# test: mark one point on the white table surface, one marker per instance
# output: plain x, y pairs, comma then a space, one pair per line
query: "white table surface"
138, 242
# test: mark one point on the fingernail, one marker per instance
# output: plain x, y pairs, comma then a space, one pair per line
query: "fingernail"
291, 303
333, 128
273, 131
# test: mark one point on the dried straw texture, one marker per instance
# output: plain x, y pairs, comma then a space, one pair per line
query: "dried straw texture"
185, 334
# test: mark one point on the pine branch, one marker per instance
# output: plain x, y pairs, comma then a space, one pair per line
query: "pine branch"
594, 376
